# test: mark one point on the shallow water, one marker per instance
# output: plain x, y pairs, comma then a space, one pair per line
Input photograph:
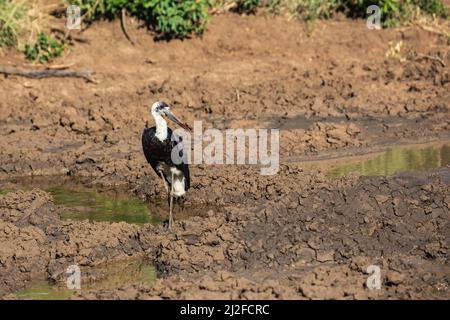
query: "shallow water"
93, 205
83, 202
5, 191
100, 277
396, 160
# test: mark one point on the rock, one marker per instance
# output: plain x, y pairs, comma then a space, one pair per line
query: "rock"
324, 256
395, 278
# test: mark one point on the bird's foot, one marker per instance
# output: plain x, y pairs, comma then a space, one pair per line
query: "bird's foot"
168, 224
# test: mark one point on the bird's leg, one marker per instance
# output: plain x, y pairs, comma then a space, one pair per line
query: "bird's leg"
164, 180
171, 204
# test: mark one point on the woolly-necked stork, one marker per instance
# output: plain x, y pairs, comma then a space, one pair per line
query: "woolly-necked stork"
158, 143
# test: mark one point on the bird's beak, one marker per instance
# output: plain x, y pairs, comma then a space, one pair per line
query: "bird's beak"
172, 117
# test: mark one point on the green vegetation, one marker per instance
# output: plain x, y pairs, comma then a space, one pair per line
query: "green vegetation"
12, 15
45, 49
312, 9
169, 18
179, 19
21, 26
393, 12
247, 6
21, 22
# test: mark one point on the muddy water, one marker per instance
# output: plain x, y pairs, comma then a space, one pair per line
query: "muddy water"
390, 161
93, 205
101, 277
82, 201
396, 160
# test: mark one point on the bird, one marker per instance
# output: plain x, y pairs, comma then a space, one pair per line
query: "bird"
165, 153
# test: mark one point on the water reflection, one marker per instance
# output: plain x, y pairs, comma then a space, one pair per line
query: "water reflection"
398, 160
81, 201
108, 276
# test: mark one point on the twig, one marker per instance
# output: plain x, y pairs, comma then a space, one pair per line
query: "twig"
60, 66
55, 66
48, 73
435, 58
432, 30
124, 29
238, 97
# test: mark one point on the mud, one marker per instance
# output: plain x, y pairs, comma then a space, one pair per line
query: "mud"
299, 234
316, 243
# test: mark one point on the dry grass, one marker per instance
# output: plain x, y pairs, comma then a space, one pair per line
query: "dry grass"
221, 6
398, 50
301, 9
21, 21
432, 24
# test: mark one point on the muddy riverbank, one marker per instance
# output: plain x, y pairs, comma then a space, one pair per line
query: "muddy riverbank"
307, 232
312, 243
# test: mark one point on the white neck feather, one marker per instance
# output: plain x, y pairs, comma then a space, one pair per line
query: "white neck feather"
161, 126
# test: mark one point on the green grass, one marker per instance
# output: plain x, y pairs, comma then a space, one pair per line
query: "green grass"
247, 6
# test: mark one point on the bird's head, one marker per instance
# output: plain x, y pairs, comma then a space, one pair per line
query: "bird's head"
161, 108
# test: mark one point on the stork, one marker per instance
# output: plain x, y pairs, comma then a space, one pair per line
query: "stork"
158, 143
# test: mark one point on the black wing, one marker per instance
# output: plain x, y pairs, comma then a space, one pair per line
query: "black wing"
157, 152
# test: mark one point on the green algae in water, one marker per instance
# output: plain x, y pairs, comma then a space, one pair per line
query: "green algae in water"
82, 202
92, 205
5, 191
107, 277
398, 160
43, 290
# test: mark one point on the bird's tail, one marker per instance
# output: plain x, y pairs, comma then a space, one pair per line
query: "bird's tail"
178, 186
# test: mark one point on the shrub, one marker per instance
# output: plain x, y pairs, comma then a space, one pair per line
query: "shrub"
45, 49
103, 9
175, 18
247, 6
170, 18
313, 9
395, 11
